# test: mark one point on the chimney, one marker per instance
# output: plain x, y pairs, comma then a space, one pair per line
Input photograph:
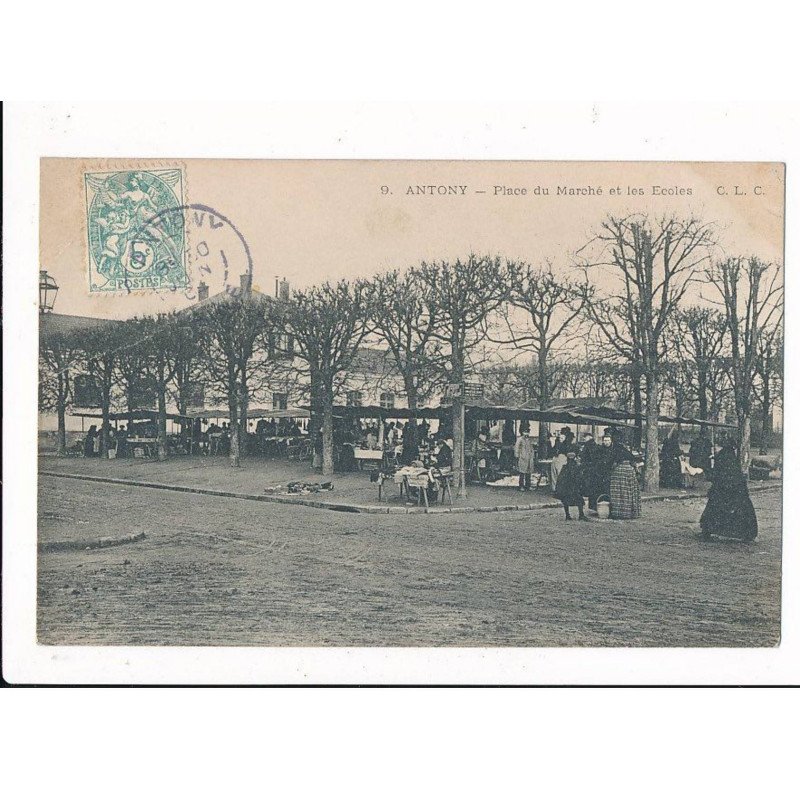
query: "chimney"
246, 283
283, 292
202, 291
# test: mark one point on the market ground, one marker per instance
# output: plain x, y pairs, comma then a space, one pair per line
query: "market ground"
352, 489
221, 571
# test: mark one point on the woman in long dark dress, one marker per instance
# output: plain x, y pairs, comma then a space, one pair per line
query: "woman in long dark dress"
729, 511
625, 495
88, 442
562, 446
596, 468
569, 488
671, 476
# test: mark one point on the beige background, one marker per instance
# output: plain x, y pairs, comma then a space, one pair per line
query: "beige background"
315, 220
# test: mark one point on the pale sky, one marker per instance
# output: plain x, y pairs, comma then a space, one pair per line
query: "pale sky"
310, 221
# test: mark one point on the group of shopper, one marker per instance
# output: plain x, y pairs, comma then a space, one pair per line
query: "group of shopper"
588, 471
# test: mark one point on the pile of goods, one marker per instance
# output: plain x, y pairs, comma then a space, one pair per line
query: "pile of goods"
300, 487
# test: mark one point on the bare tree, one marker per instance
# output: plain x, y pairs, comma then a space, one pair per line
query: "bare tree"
769, 382
643, 268
129, 368
405, 320
700, 340
188, 354
101, 352
59, 355
234, 329
329, 323
506, 383
160, 341
464, 295
751, 292
551, 308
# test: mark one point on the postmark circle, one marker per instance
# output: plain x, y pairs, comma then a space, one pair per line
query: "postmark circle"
217, 252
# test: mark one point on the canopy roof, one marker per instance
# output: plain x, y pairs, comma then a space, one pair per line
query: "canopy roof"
116, 416
252, 413
566, 414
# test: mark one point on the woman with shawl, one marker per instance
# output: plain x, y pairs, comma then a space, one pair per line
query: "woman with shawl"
626, 498
729, 511
671, 476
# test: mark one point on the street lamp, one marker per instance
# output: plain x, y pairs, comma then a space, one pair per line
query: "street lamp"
48, 289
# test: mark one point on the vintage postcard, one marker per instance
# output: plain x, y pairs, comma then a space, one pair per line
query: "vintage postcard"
410, 403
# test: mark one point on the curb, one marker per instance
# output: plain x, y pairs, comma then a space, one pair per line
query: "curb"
351, 508
88, 544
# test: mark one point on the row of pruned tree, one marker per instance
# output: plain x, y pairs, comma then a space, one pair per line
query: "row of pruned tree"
645, 306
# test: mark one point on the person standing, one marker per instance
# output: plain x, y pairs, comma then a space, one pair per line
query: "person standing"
423, 431
122, 442
562, 447
625, 495
729, 511
444, 455
597, 473
89, 442
670, 476
525, 453
568, 489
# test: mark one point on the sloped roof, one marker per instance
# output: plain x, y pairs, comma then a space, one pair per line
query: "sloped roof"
52, 323
224, 296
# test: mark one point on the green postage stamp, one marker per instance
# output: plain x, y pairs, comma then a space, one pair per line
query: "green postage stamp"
136, 230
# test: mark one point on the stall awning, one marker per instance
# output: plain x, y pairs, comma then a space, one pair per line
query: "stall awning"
580, 415
378, 412
123, 416
252, 413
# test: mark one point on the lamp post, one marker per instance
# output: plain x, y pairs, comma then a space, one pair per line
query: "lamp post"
48, 289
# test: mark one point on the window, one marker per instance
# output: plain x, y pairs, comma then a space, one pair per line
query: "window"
280, 345
280, 401
355, 398
387, 400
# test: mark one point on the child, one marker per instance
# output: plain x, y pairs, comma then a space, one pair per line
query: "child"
568, 488
525, 451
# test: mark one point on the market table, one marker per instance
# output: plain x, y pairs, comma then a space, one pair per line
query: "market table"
145, 443
362, 454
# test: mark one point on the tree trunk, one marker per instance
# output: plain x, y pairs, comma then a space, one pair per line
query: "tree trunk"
680, 401
702, 393
651, 466
129, 399
106, 426
744, 441
61, 410
243, 409
636, 389
315, 421
766, 420
411, 390
162, 424
544, 400
182, 409
458, 448
327, 433
457, 361
233, 413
